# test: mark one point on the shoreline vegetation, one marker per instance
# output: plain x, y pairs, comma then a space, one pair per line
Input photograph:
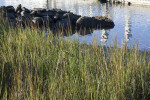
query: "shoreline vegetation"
35, 66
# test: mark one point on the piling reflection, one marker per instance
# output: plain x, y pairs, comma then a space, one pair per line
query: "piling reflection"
127, 32
104, 36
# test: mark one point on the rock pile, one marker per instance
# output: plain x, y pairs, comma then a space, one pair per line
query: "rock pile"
53, 18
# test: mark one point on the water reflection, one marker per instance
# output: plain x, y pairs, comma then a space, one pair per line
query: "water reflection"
127, 32
104, 36
131, 22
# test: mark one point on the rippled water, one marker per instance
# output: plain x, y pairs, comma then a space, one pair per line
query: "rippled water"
132, 23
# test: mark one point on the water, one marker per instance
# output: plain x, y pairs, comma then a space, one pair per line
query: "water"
132, 23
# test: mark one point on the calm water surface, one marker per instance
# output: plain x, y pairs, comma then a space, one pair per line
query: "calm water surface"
132, 23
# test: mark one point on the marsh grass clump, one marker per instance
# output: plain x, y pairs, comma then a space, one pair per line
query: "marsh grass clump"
35, 66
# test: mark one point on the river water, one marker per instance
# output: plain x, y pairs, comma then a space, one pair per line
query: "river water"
132, 23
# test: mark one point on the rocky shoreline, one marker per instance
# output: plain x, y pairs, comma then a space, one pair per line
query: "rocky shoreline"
53, 18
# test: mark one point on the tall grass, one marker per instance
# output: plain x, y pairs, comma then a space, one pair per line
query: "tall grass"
38, 67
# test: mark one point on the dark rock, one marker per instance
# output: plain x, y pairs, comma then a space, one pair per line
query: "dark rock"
26, 10
12, 22
59, 11
50, 14
21, 20
25, 14
94, 22
20, 23
40, 9
18, 12
103, 22
85, 22
47, 21
10, 9
34, 13
57, 17
39, 13
11, 15
72, 17
8, 15
18, 9
64, 24
2, 9
37, 21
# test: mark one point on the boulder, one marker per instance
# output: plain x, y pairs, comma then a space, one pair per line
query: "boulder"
25, 10
103, 22
72, 17
2, 9
50, 14
25, 14
47, 21
94, 22
54, 18
59, 11
85, 22
8, 15
18, 9
21, 20
40, 9
64, 24
57, 17
12, 22
37, 21
21, 23
10, 9
34, 13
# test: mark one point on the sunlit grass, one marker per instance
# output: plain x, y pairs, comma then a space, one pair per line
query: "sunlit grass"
38, 67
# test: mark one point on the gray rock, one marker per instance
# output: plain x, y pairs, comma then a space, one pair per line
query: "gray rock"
94, 22
11, 15
2, 9
25, 14
12, 22
59, 11
85, 22
103, 22
21, 20
18, 12
47, 21
64, 24
40, 9
10, 9
34, 13
57, 17
18, 9
21, 23
39, 13
37, 21
72, 17
50, 14
26, 10
8, 15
